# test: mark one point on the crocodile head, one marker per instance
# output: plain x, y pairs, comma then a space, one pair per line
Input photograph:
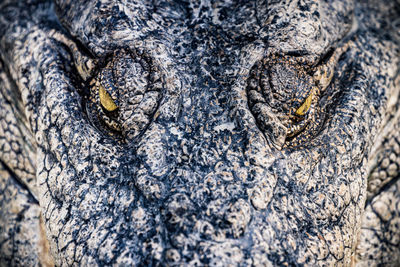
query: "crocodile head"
209, 133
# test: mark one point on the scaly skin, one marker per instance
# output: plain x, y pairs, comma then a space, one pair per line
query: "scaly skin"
164, 133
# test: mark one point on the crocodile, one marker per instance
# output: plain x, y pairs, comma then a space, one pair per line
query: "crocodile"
199, 133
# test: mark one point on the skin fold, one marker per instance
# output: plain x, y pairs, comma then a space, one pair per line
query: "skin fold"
184, 133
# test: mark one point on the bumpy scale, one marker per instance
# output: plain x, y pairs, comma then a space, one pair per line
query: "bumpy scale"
208, 133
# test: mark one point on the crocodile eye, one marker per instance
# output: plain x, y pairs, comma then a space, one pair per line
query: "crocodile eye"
106, 100
124, 95
306, 105
281, 94
284, 95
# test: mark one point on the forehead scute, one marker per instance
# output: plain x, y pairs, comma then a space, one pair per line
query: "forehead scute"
305, 28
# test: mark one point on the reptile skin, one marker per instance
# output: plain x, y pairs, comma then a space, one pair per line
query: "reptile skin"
208, 133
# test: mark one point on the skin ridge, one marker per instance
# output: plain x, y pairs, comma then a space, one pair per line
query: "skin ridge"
197, 173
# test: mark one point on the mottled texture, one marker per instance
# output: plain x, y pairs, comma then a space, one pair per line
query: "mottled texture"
218, 133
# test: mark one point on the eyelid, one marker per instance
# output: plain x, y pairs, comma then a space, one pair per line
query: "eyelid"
106, 100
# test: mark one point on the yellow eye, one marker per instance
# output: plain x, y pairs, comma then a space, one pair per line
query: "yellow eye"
306, 105
106, 100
